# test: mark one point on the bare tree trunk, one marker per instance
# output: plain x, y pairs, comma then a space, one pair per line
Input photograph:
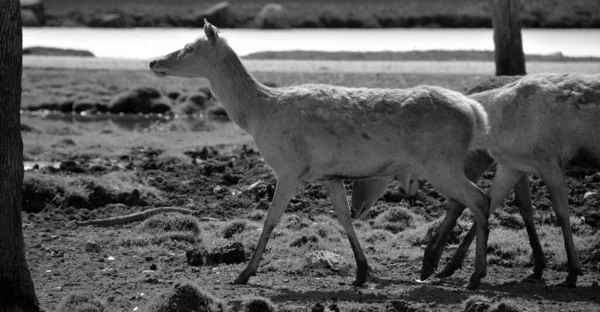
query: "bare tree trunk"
509, 56
16, 287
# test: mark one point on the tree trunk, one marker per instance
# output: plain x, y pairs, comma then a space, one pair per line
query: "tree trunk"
510, 60
16, 287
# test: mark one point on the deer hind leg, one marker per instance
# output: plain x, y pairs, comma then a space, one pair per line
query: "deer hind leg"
554, 178
283, 194
523, 200
502, 183
337, 193
364, 195
452, 182
476, 163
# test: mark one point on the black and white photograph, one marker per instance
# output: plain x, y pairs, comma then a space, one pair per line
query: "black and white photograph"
299, 155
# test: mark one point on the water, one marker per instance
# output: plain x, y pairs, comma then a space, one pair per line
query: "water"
145, 43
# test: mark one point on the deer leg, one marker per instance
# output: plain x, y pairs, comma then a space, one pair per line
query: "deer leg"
337, 193
476, 163
523, 200
503, 181
559, 194
283, 193
364, 195
452, 182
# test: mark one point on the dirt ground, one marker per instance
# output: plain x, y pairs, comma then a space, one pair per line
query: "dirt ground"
216, 183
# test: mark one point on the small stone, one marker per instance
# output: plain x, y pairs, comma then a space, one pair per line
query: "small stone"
110, 258
91, 246
109, 271
589, 194
148, 258
153, 267
71, 225
254, 185
159, 179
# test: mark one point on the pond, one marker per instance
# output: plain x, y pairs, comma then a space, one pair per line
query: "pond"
145, 43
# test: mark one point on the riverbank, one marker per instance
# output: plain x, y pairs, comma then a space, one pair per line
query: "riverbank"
309, 14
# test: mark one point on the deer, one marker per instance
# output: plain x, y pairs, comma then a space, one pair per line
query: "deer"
539, 125
328, 134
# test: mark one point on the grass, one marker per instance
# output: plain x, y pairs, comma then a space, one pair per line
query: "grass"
431, 55
338, 13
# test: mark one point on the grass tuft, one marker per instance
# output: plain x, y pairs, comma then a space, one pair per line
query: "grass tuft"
80, 302
477, 303
396, 219
186, 296
258, 304
171, 223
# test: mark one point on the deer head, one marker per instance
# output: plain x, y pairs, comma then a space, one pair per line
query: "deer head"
197, 59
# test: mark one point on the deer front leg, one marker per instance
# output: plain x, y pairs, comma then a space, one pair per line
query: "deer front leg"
503, 182
337, 193
283, 193
476, 163
554, 178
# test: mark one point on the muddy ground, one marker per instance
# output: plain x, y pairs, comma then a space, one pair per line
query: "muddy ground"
232, 182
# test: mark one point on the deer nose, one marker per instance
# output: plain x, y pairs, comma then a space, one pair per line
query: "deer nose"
152, 63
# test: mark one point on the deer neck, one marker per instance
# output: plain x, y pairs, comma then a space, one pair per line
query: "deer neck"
243, 97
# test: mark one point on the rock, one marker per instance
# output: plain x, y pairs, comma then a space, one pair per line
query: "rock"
196, 256
56, 52
37, 8
109, 272
30, 19
272, 16
153, 267
325, 260
71, 225
91, 246
143, 100
589, 194
231, 253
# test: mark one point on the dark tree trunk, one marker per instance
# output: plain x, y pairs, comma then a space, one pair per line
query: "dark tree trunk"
509, 56
16, 287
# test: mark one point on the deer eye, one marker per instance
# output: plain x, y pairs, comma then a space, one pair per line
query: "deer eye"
188, 49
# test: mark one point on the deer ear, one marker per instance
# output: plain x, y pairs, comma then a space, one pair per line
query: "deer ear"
211, 32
